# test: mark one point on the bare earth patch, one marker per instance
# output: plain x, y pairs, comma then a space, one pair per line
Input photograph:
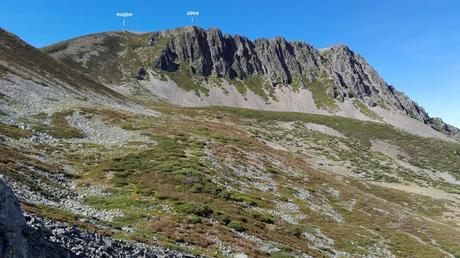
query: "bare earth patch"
388, 149
324, 129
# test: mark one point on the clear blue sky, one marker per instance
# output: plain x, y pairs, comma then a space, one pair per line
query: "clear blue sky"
414, 44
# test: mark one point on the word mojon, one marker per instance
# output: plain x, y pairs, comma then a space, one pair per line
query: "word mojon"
124, 14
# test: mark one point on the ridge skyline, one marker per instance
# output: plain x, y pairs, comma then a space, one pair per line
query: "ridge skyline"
190, 28
411, 45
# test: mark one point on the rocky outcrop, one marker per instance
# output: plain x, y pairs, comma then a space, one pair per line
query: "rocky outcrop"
209, 52
32, 236
344, 73
141, 73
17, 240
12, 224
88, 244
439, 125
280, 62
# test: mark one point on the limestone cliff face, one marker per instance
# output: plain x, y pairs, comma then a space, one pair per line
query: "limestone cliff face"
209, 52
281, 62
354, 77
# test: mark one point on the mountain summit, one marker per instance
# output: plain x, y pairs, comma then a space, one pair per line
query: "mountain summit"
280, 75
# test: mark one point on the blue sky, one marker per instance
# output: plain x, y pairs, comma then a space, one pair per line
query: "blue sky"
414, 44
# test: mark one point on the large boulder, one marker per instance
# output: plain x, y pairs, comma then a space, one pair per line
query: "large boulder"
12, 225
17, 240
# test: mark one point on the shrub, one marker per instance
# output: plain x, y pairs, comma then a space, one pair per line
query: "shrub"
238, 197
195, 209
281, 255
193, 219
59, 127
236, 226
263, 217
13, 132
294, 230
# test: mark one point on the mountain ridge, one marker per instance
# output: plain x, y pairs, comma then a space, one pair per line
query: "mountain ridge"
263, 63
14, 52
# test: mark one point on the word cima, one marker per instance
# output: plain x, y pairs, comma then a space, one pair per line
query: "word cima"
193, 13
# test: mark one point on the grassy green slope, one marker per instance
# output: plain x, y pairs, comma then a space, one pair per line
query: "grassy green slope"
25, 58
117, 57
208, 177
424, 152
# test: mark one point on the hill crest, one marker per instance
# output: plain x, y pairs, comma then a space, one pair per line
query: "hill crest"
191, 57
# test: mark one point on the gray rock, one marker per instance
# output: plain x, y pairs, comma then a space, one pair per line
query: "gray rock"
87, 244
12, 223
210, 52
17, 240
141, 73
439, 125
33, 236
344, 73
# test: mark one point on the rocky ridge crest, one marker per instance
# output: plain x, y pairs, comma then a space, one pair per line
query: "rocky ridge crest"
118, 57
344, 73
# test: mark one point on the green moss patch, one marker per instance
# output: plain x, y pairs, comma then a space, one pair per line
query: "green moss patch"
254, 83
320, 96
14, 132
423, 152
363, 108
59, 127
186, 80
